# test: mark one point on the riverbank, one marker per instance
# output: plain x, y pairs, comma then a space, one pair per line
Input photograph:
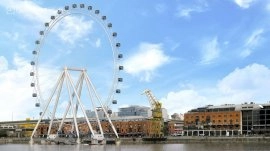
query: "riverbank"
184, 140
187, 139
14, 140
170, 140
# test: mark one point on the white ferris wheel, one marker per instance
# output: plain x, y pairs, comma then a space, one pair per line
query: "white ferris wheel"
60, 78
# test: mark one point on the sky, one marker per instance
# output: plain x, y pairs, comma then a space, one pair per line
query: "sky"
188, 53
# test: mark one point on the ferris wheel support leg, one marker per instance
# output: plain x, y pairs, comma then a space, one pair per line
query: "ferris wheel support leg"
79, 85
78, 141
106, 114
31, 142
98, 121
69, 103
68, 81
81, 106
56, 104
46, 107
64, 117
114, 130
94, 106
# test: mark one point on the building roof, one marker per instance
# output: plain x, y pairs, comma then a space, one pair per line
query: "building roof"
226, 107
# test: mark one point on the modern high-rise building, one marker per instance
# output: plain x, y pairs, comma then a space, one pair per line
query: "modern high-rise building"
134, 110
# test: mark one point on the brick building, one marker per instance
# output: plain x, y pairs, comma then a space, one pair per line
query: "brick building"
228, 119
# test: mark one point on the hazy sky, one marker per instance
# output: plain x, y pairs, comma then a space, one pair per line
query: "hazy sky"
189, 53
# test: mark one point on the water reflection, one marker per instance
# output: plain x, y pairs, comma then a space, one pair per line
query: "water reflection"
141, 147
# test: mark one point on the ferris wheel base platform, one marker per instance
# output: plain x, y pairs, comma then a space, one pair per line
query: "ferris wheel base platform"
101, 142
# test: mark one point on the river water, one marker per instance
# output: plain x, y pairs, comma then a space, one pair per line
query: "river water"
142, 147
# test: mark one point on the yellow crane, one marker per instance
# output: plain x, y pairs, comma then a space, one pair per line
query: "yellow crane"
157, 122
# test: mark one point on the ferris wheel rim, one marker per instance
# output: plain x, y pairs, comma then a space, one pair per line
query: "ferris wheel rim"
61, 14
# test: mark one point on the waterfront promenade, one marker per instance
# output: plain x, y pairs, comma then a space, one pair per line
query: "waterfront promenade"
170, 140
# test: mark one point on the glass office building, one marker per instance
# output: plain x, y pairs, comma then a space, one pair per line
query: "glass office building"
256, 121
134, 110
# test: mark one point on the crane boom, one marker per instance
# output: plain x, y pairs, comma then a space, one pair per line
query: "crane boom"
157, 123
156, 106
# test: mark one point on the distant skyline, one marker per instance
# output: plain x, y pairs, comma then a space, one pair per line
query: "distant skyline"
189, 53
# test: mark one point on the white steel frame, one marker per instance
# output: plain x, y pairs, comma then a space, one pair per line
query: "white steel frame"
74, 93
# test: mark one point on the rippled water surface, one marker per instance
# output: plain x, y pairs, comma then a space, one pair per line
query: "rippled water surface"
144, 147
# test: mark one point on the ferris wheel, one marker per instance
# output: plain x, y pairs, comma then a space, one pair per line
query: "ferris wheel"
50, 73
39, 80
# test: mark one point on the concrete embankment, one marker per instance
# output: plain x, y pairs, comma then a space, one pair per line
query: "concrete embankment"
186, 140
14, 140
170, 140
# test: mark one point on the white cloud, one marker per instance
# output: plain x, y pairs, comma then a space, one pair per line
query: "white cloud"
3, 63
254, 38
16, 100
267, 7
14, 37
15, 91
245, 53
147, 59
28, 9
253, 80
47, 76
244, 3
98, 42
182, 101
210, 51
11, 36
71, 29
248, 84
187, 11
252, 42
